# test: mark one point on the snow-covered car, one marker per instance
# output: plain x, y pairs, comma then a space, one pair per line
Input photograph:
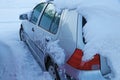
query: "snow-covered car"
56, 41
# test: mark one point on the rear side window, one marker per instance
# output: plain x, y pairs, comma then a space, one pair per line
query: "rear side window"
36, 12
83, 24
55, 24
47, 17
50, 19
83, 21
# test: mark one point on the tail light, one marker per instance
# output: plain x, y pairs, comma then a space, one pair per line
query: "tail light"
76, 61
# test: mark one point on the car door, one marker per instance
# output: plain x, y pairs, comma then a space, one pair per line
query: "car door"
32, 22
47, 29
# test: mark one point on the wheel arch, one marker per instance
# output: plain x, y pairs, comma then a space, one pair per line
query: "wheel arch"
48, 59
21, 26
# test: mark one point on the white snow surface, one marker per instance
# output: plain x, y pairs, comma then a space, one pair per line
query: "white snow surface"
56, 52
16, 61
102, 29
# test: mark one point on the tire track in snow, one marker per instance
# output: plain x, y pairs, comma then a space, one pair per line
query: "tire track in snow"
7, 64
27, 67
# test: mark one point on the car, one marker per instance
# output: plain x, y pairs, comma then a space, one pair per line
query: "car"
43, 25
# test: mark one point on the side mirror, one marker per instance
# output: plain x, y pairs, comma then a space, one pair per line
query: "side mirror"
23, 17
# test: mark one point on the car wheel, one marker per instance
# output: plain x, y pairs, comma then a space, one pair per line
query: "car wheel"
52, 69
21, 33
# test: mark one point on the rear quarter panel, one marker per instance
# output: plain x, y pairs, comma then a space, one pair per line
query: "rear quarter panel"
68, 32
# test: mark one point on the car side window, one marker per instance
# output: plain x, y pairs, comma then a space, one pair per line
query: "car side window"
83, 21
36, 12
83, 24
47, 17
55, 24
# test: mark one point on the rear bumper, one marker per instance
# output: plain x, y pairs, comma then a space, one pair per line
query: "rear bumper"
83, 75
91, 75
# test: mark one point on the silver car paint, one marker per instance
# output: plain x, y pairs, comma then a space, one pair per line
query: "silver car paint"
69, 34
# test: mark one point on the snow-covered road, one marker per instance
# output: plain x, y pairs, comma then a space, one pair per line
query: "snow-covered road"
16, 61
7, 63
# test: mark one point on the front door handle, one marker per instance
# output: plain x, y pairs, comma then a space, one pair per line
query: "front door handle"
33, 29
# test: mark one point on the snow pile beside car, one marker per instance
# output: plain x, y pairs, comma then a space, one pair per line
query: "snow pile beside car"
102, 29
56, 52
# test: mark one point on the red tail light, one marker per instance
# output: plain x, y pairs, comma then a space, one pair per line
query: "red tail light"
76, 61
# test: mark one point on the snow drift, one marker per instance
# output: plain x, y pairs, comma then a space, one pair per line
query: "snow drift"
102, 29
56, 52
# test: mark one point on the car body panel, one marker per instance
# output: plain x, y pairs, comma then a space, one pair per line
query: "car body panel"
91, 75
70, 37
28, 26
67, 34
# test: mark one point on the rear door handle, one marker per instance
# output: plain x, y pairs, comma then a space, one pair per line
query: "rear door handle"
47, 40
33, 29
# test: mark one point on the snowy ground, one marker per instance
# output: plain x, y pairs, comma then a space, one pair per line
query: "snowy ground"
16, 61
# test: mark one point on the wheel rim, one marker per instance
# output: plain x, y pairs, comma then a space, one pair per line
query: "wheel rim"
52, 72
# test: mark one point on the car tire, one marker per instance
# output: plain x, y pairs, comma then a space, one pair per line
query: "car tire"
52, 69
21, 33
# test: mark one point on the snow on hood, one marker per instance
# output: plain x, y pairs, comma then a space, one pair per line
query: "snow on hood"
102, 29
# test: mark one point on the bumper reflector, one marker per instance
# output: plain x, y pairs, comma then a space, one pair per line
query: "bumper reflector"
76, 61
